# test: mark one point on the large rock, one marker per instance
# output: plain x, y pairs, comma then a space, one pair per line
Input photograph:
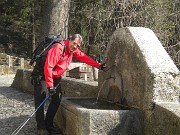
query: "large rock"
22, 81
143, 73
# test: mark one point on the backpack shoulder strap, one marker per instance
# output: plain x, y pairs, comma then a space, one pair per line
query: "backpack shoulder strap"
64, 47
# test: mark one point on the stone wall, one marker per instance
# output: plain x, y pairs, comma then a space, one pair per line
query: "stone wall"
145, 76
79, 88
72, 87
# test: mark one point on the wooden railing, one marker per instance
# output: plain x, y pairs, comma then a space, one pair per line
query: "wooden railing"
11, 60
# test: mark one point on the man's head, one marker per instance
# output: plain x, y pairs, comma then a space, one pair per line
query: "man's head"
75, 42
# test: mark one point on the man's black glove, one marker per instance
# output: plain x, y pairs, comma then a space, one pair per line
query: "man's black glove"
51, 91
103, 66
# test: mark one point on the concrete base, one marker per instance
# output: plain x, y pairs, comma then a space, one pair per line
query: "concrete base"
74, 119
164, 119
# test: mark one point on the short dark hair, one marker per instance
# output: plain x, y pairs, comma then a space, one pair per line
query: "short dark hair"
74, 36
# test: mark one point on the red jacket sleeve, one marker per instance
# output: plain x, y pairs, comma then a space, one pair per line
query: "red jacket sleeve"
53, 57
86, 59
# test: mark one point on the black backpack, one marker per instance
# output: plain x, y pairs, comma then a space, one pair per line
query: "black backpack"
40, 53
44, 46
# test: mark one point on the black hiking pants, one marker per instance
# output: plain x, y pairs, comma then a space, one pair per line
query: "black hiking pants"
46, 121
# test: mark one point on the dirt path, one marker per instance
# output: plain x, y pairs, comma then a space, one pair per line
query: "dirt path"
15, 107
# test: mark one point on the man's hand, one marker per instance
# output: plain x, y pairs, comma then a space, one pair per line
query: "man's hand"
51, 91
103, 66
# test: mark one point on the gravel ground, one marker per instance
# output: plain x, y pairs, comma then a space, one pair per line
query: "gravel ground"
15, 108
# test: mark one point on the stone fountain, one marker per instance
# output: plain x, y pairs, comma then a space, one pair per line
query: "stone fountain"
136, 92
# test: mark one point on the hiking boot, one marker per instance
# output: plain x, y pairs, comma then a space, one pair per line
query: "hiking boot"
54, 131
42, 132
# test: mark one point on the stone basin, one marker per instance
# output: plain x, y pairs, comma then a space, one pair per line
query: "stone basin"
83, 116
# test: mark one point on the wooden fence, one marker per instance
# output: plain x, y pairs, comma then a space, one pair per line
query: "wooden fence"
11, 60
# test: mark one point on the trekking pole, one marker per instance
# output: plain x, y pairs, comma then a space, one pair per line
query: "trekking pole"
24, 123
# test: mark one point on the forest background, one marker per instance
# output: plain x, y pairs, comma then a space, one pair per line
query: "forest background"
95, 20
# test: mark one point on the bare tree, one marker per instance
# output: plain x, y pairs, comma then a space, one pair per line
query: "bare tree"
96, 20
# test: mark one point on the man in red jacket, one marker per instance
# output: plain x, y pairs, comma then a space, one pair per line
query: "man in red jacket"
57, 61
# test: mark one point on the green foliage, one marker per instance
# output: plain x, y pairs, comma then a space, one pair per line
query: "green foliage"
13, 11
16, 25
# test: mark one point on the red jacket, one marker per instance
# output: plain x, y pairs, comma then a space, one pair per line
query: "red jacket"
56, 63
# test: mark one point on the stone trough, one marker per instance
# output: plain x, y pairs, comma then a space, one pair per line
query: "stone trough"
85, 116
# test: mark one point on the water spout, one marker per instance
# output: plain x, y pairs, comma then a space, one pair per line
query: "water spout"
100, 90
102, 87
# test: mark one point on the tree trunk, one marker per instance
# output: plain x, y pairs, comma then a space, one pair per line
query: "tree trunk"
33, 36
55, 18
